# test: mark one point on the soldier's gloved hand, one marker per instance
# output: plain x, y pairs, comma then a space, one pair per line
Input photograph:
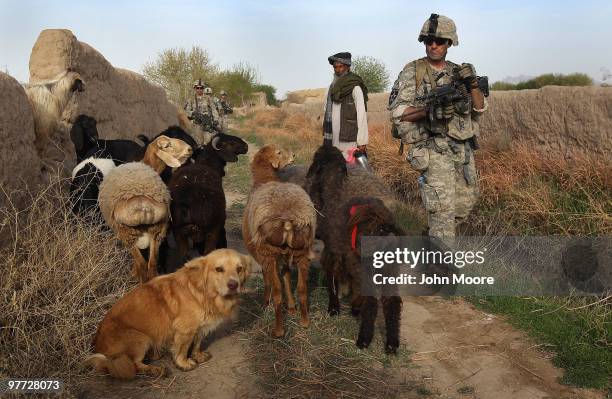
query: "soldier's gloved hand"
444, 111
467, 72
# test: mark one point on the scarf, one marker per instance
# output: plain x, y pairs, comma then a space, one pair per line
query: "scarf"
340, 88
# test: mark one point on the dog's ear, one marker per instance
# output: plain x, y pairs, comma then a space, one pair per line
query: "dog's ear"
248, 263
197, 270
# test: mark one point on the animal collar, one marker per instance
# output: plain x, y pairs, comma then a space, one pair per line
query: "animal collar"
354, 229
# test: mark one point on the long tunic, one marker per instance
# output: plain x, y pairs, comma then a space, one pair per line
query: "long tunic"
362, 123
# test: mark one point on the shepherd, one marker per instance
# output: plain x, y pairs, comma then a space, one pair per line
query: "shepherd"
345, 125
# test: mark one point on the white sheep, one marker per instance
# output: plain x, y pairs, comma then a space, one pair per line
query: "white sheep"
49, 99
135, 202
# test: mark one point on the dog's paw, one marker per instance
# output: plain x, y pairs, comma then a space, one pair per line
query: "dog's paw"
201, 357
154, 354
185, 365
291, 310
304, 322
278, 332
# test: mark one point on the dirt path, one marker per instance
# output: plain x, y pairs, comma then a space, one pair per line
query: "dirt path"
460, 348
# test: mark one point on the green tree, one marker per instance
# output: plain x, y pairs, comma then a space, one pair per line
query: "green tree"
239, 82
176, 69
373, 72
270, 93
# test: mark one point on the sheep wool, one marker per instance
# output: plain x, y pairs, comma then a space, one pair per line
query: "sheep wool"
130, 180
263, 206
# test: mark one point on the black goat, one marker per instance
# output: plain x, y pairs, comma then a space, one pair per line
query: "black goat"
84, 136
198, 200
329, 191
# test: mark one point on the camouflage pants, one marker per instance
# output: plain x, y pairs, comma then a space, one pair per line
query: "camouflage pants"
448, 183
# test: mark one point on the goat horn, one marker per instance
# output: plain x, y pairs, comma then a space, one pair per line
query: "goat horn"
214, 142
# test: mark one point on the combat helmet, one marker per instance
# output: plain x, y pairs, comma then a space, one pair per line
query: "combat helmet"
222, 93
439, 26
198, 84
207, 90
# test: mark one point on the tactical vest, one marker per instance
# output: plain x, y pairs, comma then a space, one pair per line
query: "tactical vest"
460, 126
348, 119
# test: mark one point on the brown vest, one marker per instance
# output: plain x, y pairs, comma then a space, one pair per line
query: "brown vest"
348, 119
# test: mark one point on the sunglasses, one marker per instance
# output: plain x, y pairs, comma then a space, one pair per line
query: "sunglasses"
438, 40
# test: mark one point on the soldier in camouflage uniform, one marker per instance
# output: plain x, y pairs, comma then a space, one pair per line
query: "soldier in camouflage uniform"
442, 138
226, 108
203, 104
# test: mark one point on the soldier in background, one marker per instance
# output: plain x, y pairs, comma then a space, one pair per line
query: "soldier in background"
226, 108
202, 109
442, 138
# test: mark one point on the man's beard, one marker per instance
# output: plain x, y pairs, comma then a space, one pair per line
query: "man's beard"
335, 77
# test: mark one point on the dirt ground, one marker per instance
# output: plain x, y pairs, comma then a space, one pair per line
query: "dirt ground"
457, 352
460, 348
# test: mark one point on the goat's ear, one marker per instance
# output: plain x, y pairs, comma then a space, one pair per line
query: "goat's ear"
168, 159
163, 142
78, 85
76, 136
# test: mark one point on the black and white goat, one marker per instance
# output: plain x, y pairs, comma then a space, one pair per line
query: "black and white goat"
96, 157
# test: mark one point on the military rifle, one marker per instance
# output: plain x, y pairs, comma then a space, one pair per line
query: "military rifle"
205, 121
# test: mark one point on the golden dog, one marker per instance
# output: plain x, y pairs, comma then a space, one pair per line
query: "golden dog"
174, 311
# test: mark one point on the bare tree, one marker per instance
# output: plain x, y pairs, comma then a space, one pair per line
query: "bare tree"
176, 69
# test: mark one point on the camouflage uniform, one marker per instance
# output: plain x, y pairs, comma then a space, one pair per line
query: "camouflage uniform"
223, 109
444, 155
205, 105
227, 109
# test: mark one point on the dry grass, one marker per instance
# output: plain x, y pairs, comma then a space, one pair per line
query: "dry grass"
321, 361
295, 132
522, 191
59, 276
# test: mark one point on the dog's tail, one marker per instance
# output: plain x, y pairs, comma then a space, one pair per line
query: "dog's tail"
121, 367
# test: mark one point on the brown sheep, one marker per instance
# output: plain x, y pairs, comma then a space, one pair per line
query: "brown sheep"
135, 201
278, 230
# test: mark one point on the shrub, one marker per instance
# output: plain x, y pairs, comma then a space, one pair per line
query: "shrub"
549, 79
59, 277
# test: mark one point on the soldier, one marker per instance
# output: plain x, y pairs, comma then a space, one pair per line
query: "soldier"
442, 135
202, 109
226, 107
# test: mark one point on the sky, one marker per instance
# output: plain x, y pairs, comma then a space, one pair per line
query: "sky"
289, 41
